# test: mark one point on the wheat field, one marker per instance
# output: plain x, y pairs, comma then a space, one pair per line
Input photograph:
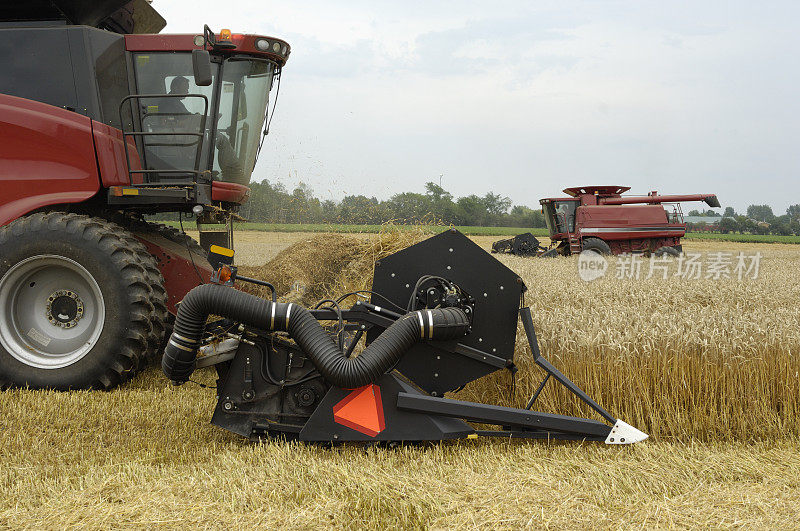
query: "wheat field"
715, 357
682, 359
708, 367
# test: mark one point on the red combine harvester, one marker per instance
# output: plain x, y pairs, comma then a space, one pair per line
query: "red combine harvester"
103, 121
601, 219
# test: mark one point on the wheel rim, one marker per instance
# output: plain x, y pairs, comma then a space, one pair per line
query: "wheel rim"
51, 311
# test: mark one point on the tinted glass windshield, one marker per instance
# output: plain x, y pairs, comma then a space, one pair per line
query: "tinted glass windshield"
181, 112
560, 216
242, 107
232, 130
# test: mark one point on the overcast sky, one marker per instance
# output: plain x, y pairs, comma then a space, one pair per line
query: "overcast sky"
525, 98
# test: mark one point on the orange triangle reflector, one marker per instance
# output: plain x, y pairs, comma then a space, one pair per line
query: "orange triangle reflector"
361, 410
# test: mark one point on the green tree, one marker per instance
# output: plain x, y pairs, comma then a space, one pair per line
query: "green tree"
746, 224
272, 203
781, 226
728, 224
729, 212
522, 216
410, 207
761, 213
303, 206
268, 203
496, 204
436, 193
330, 211
441, 202
360, 210
471, 210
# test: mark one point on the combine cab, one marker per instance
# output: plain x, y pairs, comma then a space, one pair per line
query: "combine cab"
601, 219
103, 120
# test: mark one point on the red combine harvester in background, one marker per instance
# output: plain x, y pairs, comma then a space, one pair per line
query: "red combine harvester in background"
601, 219
103, 121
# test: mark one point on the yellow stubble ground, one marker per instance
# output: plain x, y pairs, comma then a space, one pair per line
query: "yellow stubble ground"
708, 367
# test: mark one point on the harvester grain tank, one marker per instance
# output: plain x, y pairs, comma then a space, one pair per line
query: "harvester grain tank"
102, 121
600, 218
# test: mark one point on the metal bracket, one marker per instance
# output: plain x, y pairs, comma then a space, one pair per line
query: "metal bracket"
527, 323
624, 433
212, 354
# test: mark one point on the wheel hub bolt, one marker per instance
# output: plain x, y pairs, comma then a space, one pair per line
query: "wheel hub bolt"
64, 309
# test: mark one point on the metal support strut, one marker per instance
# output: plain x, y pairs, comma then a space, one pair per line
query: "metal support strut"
524, 423
527, 322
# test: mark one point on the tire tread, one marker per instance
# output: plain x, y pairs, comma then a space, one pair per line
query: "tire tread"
111, 239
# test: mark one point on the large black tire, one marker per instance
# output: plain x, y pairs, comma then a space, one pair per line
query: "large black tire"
178, 236
82, 257
136, 224
162, 319
200, 256
158, 321
595, 244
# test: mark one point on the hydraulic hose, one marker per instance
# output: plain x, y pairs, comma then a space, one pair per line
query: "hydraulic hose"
180, 354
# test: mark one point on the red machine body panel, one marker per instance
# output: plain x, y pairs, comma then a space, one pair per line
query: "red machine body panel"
588, 193
181, 270
111, 162
186, 42
655, 199
626, 222
229, 192
47, 157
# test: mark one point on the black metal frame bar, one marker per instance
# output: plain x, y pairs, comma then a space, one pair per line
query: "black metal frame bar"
536, 434
195, 172
527, 323
528, 424
538, 391
501, 416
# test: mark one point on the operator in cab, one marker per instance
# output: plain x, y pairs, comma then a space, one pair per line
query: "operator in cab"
229, 162
178, 87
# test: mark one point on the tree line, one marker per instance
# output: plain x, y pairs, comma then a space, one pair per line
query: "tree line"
759, 219
274, 203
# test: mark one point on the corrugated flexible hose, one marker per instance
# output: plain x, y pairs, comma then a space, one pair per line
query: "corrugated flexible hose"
383, 353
